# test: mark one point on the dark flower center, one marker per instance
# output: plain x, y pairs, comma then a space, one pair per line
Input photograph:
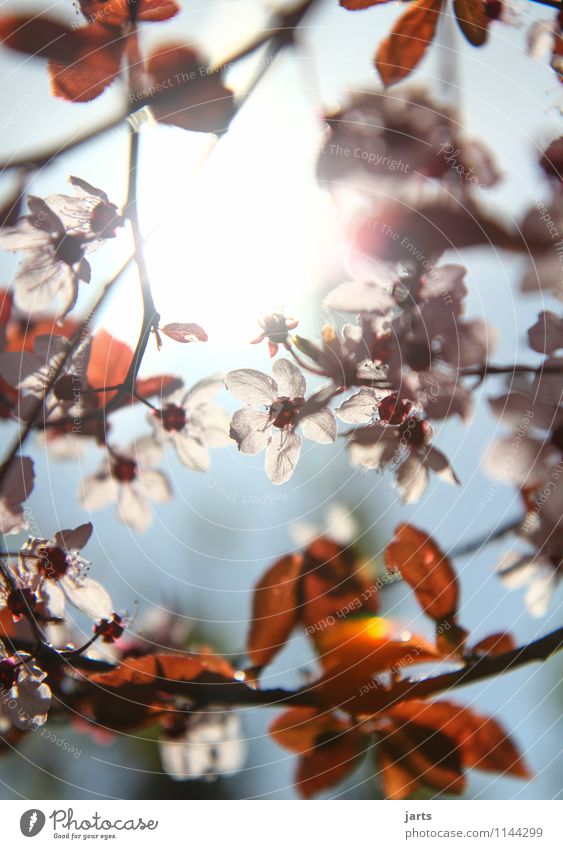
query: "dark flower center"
415, 431
8, 674
64, 387
556, 438
124, 470
54, 563
173, 417
105, 220
21, 601
109, 630
418, 355
394, 410
275, 328
284, 412
69, 249
493, 9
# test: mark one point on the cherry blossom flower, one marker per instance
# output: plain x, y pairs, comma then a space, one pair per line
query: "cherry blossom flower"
540, 567
274, 428
15, 488
405, 442
129, 479
54, 239
205, 745
90, 214
51, 572
275, 328
193, 424
24, 697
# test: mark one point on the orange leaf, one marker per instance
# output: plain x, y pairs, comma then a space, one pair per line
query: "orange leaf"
185, 92
94, 66
403, 49
357, 5
298, 729
118, 12
334, 584
473, 20
109, 362
329, 763
426, 569
39, 36
483, 742
495, 644
413, 755
274, 609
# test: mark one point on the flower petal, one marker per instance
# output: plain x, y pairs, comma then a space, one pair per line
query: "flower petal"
252, 386
320, 427
249, 428
359, 408
97, 491
203, 392
412, 479
75, 539
191, 451
214, 423
155, 485
291, 382
282, 456
133, 509
90, 597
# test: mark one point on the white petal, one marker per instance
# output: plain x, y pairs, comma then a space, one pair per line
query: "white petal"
291, 382
203, 392
191, 451
282, 455
33, 701
251, 386
249, 428
412, 479
541, 591
359, 408
133, 509
89, 597
362, 297
320, 427
440, 465
519, 460
515, 570
76, 538
146, 451
155, 485
97, 491
214, 423
53, 599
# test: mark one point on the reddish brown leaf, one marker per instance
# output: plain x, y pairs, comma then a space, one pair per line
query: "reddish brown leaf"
483, 742
495, 644
298, 729
185, 332
426, 569
414, 755
118, 12
357, 5
274, 609
473, 20
109, 362
403, 49
39, 36
334, 583
185, 92
83, 61
332, 759
161, 385
397, 779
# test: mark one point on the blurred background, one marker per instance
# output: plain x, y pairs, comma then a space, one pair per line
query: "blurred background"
246, 232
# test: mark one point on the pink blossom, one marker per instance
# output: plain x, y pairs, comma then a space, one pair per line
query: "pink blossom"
273, 428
